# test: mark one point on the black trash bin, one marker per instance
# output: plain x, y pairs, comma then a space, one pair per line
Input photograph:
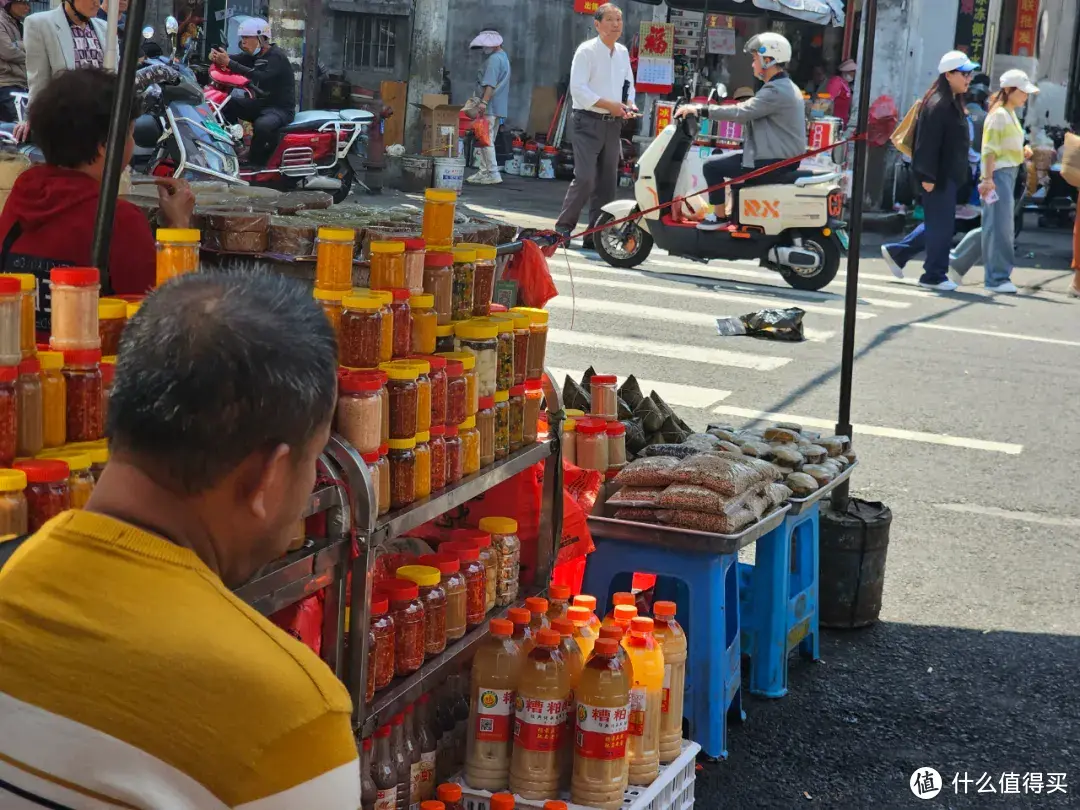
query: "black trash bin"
854, 544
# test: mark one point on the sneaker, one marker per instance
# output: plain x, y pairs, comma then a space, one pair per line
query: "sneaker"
1073, 292
712, 224
955, 277
941, 286
476, 178
1006, 287
485, 179
896, 269
967, 212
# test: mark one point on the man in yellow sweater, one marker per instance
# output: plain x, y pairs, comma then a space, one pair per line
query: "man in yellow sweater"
130, 675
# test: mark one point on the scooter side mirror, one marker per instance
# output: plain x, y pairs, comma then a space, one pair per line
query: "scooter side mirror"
171, 25
148, 32
721, 90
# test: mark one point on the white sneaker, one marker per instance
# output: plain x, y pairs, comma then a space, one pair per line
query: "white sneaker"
1005, 287
896, 269
711, 225
491, 179
955, 277
476, 178
944, 286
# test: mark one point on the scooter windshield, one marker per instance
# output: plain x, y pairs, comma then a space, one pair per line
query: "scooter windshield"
206, 149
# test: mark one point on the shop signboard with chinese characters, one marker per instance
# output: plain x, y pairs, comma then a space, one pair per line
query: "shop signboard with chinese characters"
586, 6
664, 113
656, 58
972, 28
1027, 25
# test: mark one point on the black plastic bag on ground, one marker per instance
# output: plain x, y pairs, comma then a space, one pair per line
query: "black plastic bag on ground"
574, 396
774, 324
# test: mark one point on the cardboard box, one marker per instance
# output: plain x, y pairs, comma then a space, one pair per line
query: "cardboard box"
440, 125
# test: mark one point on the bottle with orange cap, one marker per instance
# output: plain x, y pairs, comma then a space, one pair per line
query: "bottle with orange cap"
432, 804
558, 601
646, 697
618, 600
583, 600
673, 642
540, 714
584, 634
538, 607
502, 801
522, 632
450, 795
496, 668
617, 633
601, 718
623, 616
554, 804
575, 662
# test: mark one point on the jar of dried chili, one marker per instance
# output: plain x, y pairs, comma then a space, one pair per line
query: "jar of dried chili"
437, 376
9, 414
381, 654
402, 457
401, 345
361, 331
47, 493
454, 455
408, 613
112, 318
468, 554
437, 444
452, 581
428, 580
82, 373
404, 397
456, 393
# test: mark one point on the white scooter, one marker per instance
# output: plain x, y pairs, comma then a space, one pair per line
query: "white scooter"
792, 226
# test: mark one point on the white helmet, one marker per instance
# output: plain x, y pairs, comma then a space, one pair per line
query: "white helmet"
255, 27
770, 46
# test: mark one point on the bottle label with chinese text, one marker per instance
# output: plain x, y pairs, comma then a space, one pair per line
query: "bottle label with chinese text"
386, 799
664, 703
427, 776
493, 710
539, 723
601, 731
637, 712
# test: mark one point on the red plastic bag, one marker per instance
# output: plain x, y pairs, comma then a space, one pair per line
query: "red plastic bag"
481, 131
884, 118
304, 621
529, 269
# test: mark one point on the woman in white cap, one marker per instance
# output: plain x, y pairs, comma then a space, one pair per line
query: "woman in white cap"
940, 164
493, 91
1003, 152
839, 87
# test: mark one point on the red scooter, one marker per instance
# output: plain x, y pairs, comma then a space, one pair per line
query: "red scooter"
319, 149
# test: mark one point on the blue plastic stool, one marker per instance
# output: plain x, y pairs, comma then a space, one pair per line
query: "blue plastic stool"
779, 601
705, 589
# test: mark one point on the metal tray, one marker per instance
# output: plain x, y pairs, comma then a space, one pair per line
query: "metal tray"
799, 504
658, 535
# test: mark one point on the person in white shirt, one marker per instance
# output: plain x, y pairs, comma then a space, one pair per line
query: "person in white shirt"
602, 89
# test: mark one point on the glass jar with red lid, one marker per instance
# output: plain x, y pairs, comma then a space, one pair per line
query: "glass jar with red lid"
381, 653
455, 461
401, 345
468, 554
452, 581
47, 491
456, 393
9, 414
616, 440
437, 376
360, 411
437, 445
31, 408
74, 308
428, 581
414, 265
408, 613
489, 558
82, 373
591, 444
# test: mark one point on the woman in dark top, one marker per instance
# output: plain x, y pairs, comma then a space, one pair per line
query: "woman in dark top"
940, 164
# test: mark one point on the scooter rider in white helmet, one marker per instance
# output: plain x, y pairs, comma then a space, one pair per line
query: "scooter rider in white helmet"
774, 123
271, 76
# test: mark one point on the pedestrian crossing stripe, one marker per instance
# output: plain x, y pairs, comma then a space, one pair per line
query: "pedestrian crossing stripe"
674, 351
683, 396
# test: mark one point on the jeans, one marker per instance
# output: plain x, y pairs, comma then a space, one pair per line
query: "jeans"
993, 242
934, 235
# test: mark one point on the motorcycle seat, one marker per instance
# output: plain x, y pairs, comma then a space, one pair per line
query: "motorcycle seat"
308, 118
357, 115
807, 178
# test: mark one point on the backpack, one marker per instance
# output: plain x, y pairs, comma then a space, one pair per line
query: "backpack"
903, 137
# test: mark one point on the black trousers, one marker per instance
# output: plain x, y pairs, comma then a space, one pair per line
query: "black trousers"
724, 167
266, 123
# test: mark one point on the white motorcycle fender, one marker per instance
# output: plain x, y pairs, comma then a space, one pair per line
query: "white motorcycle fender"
621, 209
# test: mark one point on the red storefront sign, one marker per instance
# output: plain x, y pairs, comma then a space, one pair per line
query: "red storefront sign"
586, 6
663, 117
1027, 24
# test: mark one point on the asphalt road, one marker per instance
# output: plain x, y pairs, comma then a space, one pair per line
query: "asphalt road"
962, 404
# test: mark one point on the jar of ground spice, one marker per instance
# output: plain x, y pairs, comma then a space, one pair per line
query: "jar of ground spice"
422, 477
402, 341
74, 309
468, 555
14, 515
437, 376
485, 425
439, 282
359, 411
82, 373
31, 408
47, 493
423, 392
331, 303
604, 399
437, 443
53, 399
591, 444
9, 414
27, 312
414, 265
452, 581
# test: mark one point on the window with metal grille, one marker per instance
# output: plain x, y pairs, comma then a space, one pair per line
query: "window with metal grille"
370, 41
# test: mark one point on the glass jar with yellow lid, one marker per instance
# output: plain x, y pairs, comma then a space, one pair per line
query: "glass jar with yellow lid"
423, 464
480, 339
439, 281
423, 393
472, 385
81, 479
402, 458
331, 303
461, 307
98, 452
177, 253
132, 308
27, 312
14, 515
470, 446
504, 350
112, 318
538, 329
53, 399
501, 402
403, 394
438, 224
483, 277
360, 337
569, 444
444, 338
386, 342
387, 265
424, 323
334, 257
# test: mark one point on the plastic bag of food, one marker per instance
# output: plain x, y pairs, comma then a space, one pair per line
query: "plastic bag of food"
669, 450
636, 514
702, 499
706, 522
725, 432
728, 447
725, 473
756, 450
647, 472
802, 484
820, 473
636, 496
776, 494
702, 441
779, 434
834, 445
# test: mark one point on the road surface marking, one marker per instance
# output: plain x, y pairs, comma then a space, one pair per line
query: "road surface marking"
564, 302
796, 295
871, 430
992, 333
700, 295
686, 396
995, 512
674, 351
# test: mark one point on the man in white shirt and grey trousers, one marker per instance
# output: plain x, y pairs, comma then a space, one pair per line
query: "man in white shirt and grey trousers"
602, 89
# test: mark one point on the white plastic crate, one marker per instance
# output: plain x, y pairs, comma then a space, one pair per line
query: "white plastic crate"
672, 790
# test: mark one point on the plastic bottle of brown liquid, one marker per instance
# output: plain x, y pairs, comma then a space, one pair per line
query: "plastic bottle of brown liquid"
575, 662
673, 642
646, 697
616, 633
558, 601
402, 761
384, 771
584, 634
538, 620
583, 600
522, 632
540, 714
496, 668
460, 685
428, 743
368, 791
618, 599
602, 714
412, 751
444, 728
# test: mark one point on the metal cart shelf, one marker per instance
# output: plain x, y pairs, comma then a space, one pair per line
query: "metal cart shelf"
799, 504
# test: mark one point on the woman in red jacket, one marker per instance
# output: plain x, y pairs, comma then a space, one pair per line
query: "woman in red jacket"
48, 220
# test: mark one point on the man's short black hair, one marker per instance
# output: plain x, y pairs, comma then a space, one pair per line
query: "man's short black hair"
217, 366
69, 119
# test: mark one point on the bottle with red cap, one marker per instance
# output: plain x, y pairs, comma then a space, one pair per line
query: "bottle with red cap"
496, 668
575, 662
584, 600
502, 801
602, 718
540, 714
368, 791
384, 771
558, 601
646, 698
428, 743
672, 640
617, 599
402, 765
538, 608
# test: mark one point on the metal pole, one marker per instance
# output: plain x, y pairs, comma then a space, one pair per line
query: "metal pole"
858, 189
309, 76
114, 150
111, 27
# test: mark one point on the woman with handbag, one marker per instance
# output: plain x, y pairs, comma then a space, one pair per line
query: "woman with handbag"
940, 163
489, 107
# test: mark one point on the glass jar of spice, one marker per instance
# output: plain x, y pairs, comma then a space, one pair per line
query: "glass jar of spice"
489, 558
439, 283
112, 318
479, 338
485, 426
592, 444
534, 393
464, 267
454, 470
387, 265
108, 377
82, 373
438, 223
502, 423
504, 540
483, 278
402, 340
569, 443
521, 345
604, 398
472, 389
452, 581
10, 319
470, 446
9, 414
27, 312
386, 327
424, 322
517, 417
433, 596
538, 328
360, 335
359, 411
437, 377
381, 489
422, 477
381, 655
444, 338
47, 493
331, 302
423, 392
334, 249
177, 253
404, 397
414, 265
437, 443
30, 408
616, 438
456, 393
74, 310
504, 352
408, 613
81, 480
14, 515
473, 570
402, 458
